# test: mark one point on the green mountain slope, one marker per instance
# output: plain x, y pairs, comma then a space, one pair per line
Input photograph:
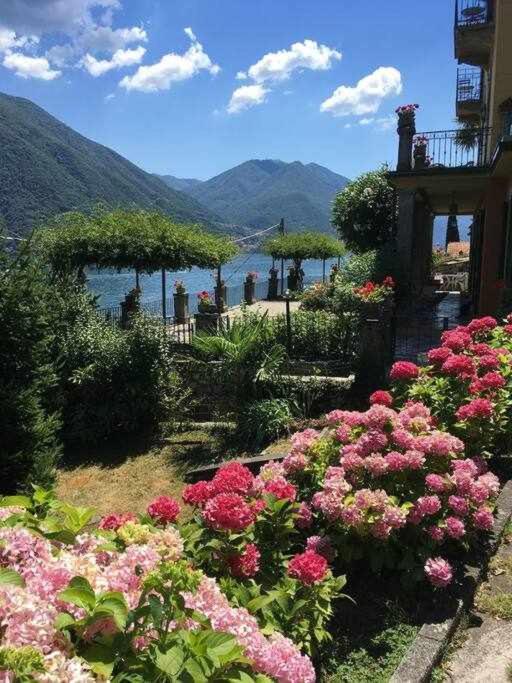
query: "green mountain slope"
47, 168
259, 192
180, 184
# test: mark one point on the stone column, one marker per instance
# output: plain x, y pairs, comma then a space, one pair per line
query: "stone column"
406, 131
405, 232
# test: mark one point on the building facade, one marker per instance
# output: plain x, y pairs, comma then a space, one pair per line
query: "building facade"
467, 171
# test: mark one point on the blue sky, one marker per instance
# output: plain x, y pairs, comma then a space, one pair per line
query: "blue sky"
85, 61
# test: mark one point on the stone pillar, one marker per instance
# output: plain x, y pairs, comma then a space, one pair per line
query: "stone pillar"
491, 284
273, 284
181, 307
249, 291
405, 232
406, 131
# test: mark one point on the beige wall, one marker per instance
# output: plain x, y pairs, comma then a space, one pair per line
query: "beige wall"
501, 64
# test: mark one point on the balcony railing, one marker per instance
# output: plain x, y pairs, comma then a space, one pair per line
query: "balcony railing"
473, 12
469, 85
462, 148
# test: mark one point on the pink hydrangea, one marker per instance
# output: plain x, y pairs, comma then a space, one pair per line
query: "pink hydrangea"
281, 489
435, 533
308, 567
322, 545
228, 511
456, 340
403, 371
245, 564
481, 325
164, 510
439, 572
304, 516
438, 356
459, 505
455, 527
459, 366
114, 521
428, 505
382, 398
477, 409
233, 478
198, 494
483, 519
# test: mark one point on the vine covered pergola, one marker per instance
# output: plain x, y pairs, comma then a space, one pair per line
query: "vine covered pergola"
141, 240
301, 246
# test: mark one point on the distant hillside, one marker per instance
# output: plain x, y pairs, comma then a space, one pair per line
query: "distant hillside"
180, 184
47, 168
259, 192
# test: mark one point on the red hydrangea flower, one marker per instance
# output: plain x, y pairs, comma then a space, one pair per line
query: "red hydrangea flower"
479, 408
479, 325
439, 355
508, 328
459, 366
388, 282
246, 564
492, 380
282, 489
308, 567
229, 512
382, 398
233, 478
404, 370
198, 493
489, 362
456, 340
114, 521
164, 510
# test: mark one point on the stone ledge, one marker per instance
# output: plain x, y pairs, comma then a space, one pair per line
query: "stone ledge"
427, 648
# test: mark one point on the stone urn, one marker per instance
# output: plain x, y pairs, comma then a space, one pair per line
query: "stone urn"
181, 314
273, 284
130, 306
250, 289
406, 131
221, 297
294, 280
420, 156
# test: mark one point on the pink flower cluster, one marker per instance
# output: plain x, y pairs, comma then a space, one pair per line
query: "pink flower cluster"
308, 567
276, 656
245, 564
164, 510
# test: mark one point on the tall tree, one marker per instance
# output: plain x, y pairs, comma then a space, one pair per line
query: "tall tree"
364, 212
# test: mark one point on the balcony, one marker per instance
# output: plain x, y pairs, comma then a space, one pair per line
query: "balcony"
474, 30
464, 148
469, 93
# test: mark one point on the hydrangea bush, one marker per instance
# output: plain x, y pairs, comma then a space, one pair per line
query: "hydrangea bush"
121, 603
467, 384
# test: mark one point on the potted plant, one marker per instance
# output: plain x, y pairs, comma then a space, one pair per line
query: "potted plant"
406, 114
205, 303
250, 287
420, 151
180, 302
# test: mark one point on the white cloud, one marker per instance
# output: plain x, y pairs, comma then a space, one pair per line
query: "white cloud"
241, 76
367, 96
347, 125
279, 66
109, 97
120, 59
365, 122
247, 96
9, 40
40, 17
30, 67
107, 39
386, 122
172, 68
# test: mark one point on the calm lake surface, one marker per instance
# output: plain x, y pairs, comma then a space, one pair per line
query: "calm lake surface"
111, 286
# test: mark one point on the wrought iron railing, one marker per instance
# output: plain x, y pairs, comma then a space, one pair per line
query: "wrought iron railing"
469, 85
462, 148
473, 12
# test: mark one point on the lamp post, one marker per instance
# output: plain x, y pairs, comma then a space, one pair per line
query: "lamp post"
288, 322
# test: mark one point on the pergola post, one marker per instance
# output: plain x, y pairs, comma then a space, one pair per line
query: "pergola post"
323, 270
164, 295
282, 232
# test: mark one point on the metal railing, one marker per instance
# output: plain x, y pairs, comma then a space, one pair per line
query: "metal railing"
469, 85
473, 12
462, 148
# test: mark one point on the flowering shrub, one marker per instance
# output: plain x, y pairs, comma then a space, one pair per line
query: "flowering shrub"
204, 298
372, 292
391, 486
467, 384
407, 109
120, 603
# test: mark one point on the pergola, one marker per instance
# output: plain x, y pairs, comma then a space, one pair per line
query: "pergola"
300, 246
138, 239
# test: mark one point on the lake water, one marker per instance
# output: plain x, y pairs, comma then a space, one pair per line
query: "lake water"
111, 286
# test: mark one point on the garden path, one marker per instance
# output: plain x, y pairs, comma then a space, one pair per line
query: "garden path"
273, 308
485, 655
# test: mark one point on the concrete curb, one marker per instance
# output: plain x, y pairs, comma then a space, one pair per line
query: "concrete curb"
427, 648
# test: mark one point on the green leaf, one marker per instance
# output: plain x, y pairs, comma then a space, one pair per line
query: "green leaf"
8, 577
115, 607
170, 662
63, 620
79, 597
16, 501
100, 658
258, 603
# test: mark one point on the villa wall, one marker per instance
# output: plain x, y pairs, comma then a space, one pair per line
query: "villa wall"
501, 65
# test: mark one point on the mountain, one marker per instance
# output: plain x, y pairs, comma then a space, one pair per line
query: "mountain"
259, 192
47, 168
180, 184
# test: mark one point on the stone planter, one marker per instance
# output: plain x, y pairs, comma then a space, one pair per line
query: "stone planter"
221, 298
406, 132
207, 322
249, 291
208, 309
181, 307
293, 281
420, 157
273, 285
